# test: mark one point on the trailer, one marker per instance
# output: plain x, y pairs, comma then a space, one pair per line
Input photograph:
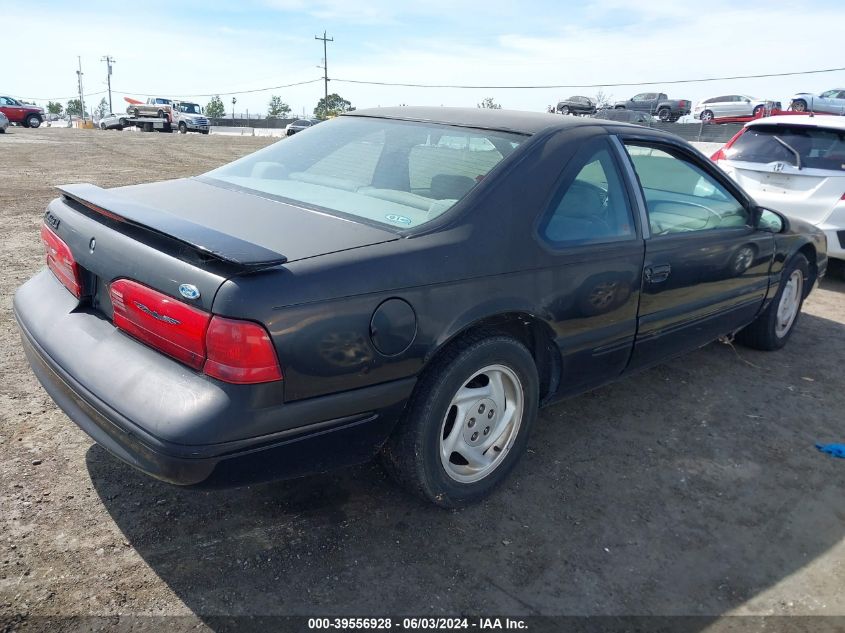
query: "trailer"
149, 123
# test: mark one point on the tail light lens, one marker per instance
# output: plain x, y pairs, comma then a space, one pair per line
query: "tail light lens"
60, 260
240, 352
231, 350
720, 153
169, 325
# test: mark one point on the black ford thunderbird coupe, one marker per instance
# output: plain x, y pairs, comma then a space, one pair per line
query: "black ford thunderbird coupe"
409, 282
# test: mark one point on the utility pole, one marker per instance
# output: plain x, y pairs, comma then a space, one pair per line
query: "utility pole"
79, 81
325, 67
234, 101
109, 61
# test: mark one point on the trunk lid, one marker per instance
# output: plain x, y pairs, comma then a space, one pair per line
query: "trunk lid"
185, 232
809, 194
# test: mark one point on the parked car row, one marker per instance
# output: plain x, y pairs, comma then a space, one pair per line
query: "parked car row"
655, 104
711, 108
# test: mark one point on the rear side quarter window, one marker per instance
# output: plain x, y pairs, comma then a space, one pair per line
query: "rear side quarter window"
591, 203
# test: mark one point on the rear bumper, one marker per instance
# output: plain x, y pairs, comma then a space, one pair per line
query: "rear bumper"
299, 438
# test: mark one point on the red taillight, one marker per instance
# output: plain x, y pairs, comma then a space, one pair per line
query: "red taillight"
60, 260
169, 325
720, 153
240, 352
231, 350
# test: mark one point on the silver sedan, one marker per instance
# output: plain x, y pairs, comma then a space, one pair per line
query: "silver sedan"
4, 122
731, 106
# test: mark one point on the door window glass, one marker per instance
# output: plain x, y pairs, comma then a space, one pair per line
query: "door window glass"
592, 206
681, 196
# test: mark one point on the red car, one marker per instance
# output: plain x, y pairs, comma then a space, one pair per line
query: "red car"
22, 113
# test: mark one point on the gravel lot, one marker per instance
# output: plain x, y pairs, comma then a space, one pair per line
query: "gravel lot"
693, 488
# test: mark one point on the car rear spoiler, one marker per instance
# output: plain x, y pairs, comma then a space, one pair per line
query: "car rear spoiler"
202, 238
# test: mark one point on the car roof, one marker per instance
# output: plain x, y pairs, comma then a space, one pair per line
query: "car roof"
485, 118
819, 120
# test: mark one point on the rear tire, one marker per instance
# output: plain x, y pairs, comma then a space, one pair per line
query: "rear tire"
664, 114
799, 105
477, 401
772, 329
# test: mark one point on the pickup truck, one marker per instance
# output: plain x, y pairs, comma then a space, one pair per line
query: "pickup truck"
658, 104
154, 107
23, 114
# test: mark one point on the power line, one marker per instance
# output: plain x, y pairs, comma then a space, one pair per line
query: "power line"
599, 85
471, 87
227, 94
208, 94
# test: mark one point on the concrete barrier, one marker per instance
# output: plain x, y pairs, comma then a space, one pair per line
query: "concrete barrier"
274, 132
232, 131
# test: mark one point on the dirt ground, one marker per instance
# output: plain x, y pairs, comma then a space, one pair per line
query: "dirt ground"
691, 489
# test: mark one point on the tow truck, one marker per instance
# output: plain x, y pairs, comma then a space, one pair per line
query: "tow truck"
162, 115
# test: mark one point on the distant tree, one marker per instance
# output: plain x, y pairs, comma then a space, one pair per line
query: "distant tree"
74, 108
102, 108
336, 105
54, 107
603, 100
215, 108
277, 109
488, 103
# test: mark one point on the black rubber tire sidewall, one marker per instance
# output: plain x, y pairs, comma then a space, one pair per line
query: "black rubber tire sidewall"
414, 449
761, 333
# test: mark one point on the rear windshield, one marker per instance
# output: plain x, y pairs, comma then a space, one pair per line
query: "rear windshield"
397, 173
817, 148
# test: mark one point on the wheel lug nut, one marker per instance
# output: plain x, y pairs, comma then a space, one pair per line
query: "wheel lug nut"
486, 430
481, 408
474, 436
490, 414
471, 423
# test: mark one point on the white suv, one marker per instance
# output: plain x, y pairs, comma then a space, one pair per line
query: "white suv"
795, 165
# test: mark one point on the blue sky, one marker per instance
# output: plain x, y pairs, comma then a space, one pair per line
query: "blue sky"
217, 47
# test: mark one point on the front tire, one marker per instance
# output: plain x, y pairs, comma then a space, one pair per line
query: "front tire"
183, 127
757, 112
33, 121
772, 329
564, 110
467, 422
707, 116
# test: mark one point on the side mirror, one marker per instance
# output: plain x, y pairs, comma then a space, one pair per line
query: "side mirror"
771, 221
748, 101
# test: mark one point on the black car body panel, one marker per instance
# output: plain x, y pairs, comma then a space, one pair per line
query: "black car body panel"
357, 311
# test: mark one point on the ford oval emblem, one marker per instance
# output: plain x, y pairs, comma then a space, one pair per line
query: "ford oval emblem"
189, 291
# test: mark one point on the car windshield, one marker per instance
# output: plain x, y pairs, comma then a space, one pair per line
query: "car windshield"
396, 173
190, 108
818, 148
